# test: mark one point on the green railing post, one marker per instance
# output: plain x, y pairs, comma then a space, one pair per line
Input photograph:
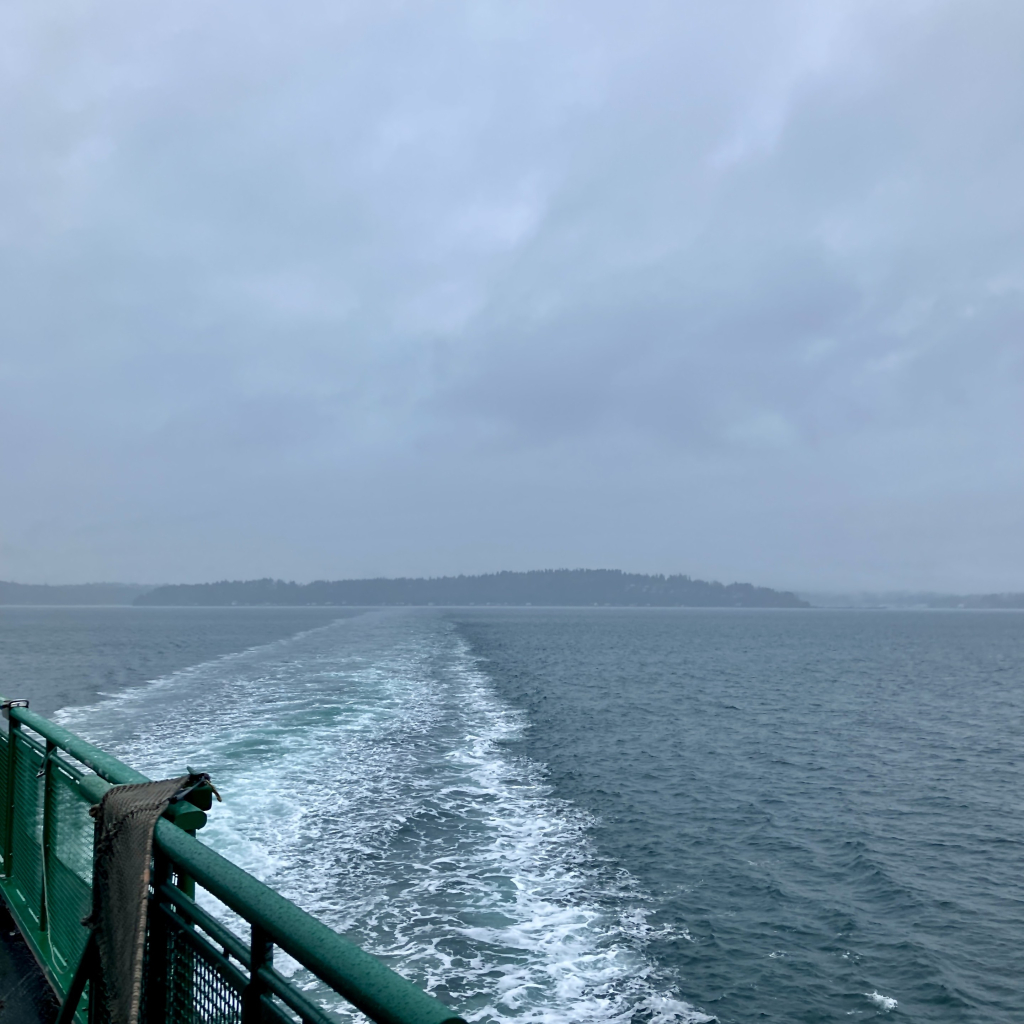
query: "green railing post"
159, 937
12, 725
76, 987
261, 954
94, 1009
45, 858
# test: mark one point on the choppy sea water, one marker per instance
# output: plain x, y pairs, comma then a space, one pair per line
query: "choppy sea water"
649, 815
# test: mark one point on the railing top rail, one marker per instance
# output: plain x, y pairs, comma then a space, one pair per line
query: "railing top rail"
366, 982
103, 764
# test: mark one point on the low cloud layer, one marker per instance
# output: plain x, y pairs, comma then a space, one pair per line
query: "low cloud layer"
345, 289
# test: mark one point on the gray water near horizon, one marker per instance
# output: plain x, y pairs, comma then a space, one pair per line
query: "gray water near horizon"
612, 815
56, 656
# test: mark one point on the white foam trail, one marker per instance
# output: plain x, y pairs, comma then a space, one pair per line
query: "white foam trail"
886, 1003
367, 776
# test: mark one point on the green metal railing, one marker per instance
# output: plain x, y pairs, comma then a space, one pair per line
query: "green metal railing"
198, 969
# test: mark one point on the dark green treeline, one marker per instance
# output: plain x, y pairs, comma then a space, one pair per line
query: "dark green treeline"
567, 587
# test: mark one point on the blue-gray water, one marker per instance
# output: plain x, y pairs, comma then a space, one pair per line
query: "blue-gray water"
563, 815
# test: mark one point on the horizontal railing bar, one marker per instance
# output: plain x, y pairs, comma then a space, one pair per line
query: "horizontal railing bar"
57, 756
288, 993
103, 764
65, 766
279, 1015
205, 948
191, 911
31, 742
366, 982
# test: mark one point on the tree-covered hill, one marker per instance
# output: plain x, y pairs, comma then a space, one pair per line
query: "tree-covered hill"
566, 587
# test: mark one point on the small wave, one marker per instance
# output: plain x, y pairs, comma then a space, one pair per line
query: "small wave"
886, 1003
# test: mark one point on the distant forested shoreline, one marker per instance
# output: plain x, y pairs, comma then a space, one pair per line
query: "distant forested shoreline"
70, 593
565, 587
559, 587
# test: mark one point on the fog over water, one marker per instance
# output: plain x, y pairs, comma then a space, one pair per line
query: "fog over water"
351, 289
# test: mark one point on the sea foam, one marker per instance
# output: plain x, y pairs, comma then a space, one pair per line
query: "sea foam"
886, 1003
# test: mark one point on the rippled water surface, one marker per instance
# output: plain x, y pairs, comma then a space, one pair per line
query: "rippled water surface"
636, 815
824, 807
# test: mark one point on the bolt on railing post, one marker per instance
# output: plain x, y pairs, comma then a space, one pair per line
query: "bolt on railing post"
261, 954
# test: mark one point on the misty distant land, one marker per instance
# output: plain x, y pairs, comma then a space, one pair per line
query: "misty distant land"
552, 587
72, 593
548, 587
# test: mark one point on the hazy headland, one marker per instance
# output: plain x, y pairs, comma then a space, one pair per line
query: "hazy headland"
552, 587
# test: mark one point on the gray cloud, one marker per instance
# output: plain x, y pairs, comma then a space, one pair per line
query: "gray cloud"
344, 289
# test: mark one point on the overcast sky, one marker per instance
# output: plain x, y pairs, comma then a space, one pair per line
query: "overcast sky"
337, 289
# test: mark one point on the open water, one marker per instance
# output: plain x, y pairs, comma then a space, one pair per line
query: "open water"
601, 815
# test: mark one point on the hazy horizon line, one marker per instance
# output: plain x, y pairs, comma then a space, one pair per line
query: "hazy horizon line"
838, 591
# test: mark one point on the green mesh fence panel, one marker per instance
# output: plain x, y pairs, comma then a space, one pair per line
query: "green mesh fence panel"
197, 991
3, 790
27, 828
68, 868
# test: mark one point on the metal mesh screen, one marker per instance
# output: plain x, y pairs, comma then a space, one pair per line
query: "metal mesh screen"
197, 991
3, 790
68, 868
27, 828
